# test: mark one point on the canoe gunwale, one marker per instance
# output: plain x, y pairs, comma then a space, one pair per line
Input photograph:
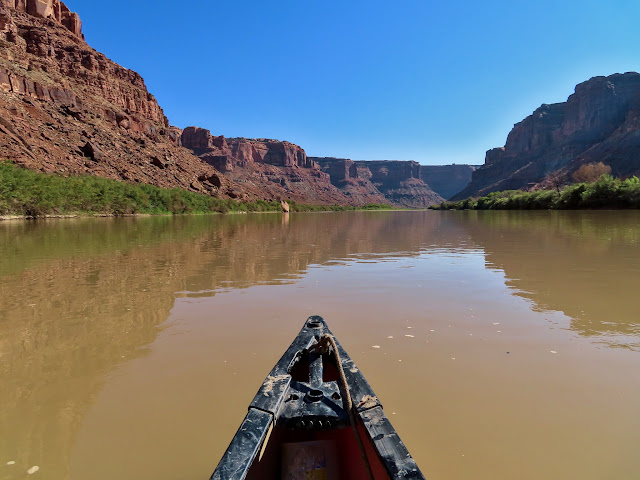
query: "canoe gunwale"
265, 406
244, 447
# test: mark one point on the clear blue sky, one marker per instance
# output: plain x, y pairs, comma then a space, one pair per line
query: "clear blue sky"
432, 81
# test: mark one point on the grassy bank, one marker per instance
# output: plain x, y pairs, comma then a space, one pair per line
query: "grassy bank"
607, 192
33, 194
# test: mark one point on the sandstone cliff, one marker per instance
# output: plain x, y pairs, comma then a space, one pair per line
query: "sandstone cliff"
599, 122
396, 182
54, 10
399, 181
265, 168
343, 173
447, 180
68, 109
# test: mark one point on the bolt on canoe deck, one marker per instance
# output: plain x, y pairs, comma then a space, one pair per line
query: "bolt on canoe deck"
299, 424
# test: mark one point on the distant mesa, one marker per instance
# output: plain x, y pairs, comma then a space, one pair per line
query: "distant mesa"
600, 122
440, 181
397, 180
447, 180
352, 180
277, 169
264, 168
232, 152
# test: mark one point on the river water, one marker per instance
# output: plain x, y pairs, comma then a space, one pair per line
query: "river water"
130, 348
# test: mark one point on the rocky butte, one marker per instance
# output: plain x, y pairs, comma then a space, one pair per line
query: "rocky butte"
600, 122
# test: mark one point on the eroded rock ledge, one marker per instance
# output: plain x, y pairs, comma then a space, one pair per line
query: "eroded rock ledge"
67, 109
397, 181
600, 122
50, 9
265, 168
225, 154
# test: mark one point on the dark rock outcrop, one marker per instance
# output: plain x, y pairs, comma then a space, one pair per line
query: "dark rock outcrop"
600, 122
93, 152
447, 180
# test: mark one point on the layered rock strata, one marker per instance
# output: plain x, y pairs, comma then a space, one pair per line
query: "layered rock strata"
343, 173
399, 181
49, 9
265, 168
67, 109
447, 180
232, 152
600, 122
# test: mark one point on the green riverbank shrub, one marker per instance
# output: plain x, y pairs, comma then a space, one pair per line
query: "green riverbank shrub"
301, 207
33, 194
606, 192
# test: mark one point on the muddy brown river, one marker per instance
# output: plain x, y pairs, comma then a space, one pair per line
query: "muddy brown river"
509, 341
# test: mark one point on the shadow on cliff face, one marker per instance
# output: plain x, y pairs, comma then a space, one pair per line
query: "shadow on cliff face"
80, 298
584, 264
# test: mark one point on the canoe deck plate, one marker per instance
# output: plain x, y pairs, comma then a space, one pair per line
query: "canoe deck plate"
316, 407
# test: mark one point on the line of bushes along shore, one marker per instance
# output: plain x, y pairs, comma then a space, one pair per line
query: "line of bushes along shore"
606, 192
33, 194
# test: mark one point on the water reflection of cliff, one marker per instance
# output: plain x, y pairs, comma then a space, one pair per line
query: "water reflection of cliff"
77, 298
585, 264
